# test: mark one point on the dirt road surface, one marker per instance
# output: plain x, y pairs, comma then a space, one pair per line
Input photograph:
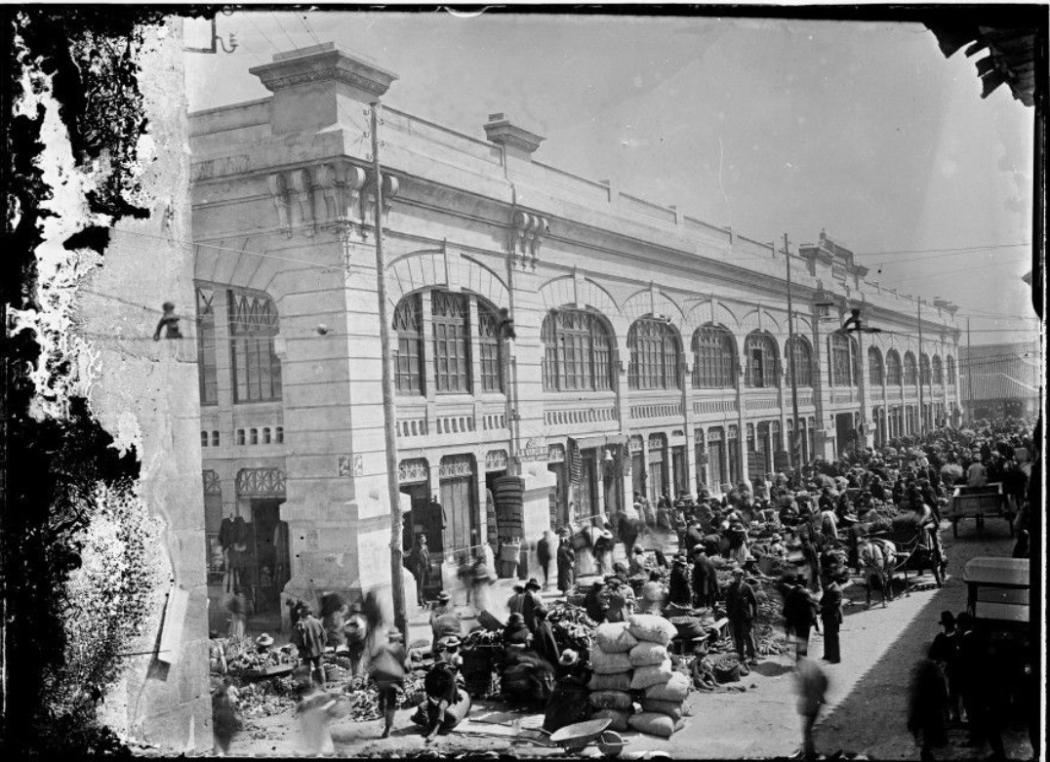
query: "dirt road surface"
865, 714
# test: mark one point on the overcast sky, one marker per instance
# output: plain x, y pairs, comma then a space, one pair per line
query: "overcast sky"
771, 126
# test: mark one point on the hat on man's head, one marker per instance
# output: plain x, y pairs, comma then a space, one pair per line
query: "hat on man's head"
264, 640
449, 641
738, 571
947, 618
569, 658
443, 597
533, 584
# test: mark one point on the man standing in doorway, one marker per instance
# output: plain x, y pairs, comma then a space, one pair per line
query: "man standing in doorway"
421, 568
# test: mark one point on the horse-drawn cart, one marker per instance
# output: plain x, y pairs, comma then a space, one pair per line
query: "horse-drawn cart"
979, 503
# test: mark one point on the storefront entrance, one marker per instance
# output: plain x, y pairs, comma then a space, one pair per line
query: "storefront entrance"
270, 540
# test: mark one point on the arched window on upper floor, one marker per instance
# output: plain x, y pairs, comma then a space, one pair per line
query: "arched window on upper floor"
951, 370
450, 313
655, 354
924, 369
577, 351
762, 357
253, 326
893, 368
845, 360
799, 356
714, 358
911, 376
938, 370
408, 362
875, 369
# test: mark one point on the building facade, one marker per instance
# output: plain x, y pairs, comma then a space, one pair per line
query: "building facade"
651, 351
1000, 380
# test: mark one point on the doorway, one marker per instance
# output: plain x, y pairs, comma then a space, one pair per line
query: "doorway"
270, 547
845, 435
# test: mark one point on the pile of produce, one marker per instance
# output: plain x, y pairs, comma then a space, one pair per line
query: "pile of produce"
665, 690
572, 628
482, 638
253, 661
266, 698
364, 699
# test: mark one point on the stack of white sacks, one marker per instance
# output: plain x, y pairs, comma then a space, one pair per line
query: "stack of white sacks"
631, 661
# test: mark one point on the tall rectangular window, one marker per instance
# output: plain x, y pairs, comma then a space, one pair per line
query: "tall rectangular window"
256, 367
408, 363
489, 348
207, 368
451, 341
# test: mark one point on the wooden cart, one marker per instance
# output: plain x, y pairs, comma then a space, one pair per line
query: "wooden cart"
979, 503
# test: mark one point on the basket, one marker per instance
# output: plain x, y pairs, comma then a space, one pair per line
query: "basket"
611, 743
575, 737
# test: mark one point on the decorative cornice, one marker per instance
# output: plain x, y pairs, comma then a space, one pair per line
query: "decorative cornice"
323, 63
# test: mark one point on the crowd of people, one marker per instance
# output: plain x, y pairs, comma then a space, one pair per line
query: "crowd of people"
810, 521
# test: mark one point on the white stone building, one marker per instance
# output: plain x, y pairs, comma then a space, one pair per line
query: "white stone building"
648, 354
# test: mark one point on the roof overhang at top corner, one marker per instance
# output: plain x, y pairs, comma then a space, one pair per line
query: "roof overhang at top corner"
1012, 41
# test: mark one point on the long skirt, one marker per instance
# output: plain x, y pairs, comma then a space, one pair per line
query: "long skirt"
831, 640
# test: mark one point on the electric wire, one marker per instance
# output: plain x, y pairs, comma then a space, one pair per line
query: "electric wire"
277, 20
303, 20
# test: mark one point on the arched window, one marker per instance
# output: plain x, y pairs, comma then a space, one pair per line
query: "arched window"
875, 370
451, 317
938, 370
924, 369
800, 357
408, 362
253, 326
714, 358
893, 368
490, 348
910, 375
655, 353
951, 370
844, 360
577, 351
761, 356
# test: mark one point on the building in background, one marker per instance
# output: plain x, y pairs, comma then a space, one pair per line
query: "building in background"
999, 380
650, 354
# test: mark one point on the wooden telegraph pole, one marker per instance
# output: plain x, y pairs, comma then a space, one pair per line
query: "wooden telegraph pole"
389, 413
791, 362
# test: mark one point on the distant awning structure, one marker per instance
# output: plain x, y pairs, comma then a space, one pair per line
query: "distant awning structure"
1011, 58
999, 386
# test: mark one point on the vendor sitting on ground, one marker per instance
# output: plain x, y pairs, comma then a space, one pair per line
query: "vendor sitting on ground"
516, 632
639, 563
442, 692
527, 679
651, 600
593, 601
617, 600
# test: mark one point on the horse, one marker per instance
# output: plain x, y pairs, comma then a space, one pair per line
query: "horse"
877, 558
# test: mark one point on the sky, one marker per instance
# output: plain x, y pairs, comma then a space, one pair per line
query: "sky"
772, 126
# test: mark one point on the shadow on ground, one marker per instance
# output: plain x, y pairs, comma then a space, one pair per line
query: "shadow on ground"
872, 718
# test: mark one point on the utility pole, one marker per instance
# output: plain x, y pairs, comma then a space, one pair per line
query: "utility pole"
791, 346
389, 413
922, 407
969, 371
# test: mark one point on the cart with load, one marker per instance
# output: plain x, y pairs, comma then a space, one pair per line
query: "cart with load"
916, 548
979, 503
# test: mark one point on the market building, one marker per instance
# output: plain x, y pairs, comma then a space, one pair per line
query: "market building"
1000, 380
651, 350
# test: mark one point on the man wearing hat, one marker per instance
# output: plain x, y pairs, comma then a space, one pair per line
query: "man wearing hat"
741, 609
443, 618
593, 601
566, 558
945, 653
388, 667
263, 644
678, 592
530, 602
705, 580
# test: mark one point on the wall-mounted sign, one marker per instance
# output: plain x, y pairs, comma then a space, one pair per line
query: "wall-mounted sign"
533, 449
